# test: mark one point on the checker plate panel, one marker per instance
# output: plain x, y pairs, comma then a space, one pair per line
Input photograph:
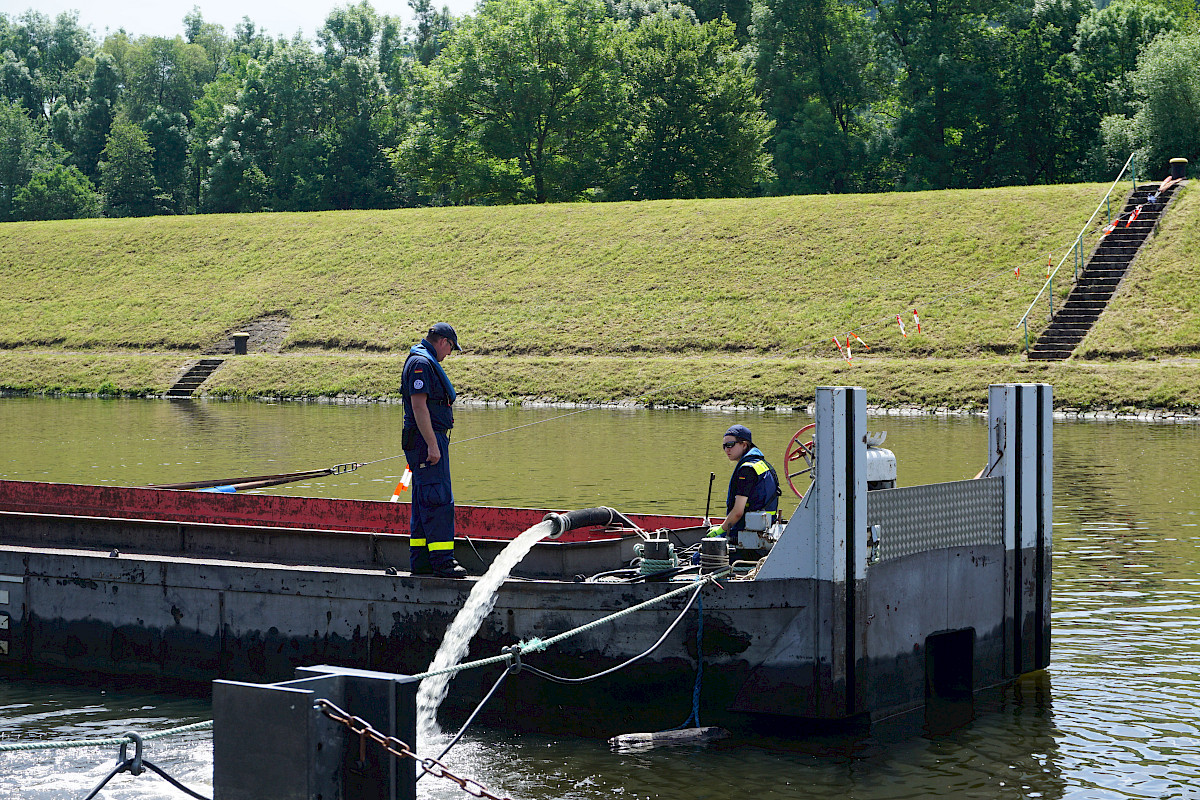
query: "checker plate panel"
956, 514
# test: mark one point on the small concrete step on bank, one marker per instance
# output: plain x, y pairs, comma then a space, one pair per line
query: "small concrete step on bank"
194, 378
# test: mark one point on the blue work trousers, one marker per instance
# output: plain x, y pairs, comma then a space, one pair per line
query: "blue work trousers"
431, 526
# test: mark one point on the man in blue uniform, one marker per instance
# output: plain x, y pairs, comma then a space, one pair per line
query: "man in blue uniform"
428, 418
754, 486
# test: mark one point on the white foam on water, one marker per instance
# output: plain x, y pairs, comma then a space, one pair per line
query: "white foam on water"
464, 627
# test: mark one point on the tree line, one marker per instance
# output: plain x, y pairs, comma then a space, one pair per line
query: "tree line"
566, 100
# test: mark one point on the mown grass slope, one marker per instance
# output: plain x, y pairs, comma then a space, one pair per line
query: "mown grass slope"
666, 302
768, 275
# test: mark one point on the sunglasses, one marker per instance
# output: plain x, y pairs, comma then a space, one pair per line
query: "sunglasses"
728, 445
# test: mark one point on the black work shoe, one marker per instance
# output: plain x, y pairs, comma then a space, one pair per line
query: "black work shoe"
422, 568
451, 569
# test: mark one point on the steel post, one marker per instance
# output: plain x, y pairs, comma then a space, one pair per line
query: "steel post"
270, 740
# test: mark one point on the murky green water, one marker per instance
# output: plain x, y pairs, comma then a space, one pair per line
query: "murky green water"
1114, 717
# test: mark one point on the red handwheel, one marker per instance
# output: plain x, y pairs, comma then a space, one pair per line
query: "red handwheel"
799, 449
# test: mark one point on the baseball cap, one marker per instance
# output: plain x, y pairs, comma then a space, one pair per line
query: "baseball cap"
739, 431
444, 329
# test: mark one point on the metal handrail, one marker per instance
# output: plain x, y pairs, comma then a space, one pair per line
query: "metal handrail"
1076, 248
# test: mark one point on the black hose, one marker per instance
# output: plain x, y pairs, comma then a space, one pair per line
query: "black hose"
582, 518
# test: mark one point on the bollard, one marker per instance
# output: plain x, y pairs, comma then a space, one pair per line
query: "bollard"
270, 741
239, 343
1179, 168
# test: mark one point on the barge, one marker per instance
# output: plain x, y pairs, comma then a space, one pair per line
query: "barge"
866, 602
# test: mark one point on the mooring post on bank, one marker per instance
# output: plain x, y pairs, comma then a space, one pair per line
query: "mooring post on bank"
272, 742
239, 343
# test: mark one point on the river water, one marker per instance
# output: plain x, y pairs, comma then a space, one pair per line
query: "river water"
1115, 716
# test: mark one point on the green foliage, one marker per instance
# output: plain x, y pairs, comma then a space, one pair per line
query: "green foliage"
164, 73
41, 61
530, 82
61, 192
1166, 98
820, 74
1108, 42
540, 100
96, 114
694, 127
431, 29
168, 137
126, 174
23, 152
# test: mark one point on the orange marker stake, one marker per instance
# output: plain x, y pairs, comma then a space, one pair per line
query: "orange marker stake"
402, 486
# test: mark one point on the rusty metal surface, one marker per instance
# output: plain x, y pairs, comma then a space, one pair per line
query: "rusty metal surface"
281, 511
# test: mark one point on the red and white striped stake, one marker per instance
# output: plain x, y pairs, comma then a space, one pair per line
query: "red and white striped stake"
1049, 261
1110, 227
843, 349
402, 486
1017, 270
900, 322
918, 319
1133, 216
858, 339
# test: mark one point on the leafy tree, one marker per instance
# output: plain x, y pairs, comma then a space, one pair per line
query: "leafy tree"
62, 192
1107, 44
211, 37
126, 173
1046, 127
93, 122
820, 75
1166, 124
739, 12
168, 136
430, 31
40, 61
165, 73
237, 179
695, 127
23, 152
950, 54
293, 82
357, 172
534, 84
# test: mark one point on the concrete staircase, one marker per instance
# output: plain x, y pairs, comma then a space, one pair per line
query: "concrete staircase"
1100, 277
194, 378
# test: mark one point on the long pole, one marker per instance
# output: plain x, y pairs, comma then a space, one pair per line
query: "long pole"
712, 476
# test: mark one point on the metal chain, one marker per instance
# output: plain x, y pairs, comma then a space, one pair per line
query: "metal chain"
396, 747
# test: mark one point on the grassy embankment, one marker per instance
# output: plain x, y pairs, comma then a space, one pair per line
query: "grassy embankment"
681, 302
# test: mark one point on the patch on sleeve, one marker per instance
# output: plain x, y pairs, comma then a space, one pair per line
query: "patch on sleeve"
418, 384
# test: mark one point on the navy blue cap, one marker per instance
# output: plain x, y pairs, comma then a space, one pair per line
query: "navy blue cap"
444, 329
740, 431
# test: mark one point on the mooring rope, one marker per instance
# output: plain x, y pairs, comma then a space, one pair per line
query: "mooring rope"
535, 644
110, 742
